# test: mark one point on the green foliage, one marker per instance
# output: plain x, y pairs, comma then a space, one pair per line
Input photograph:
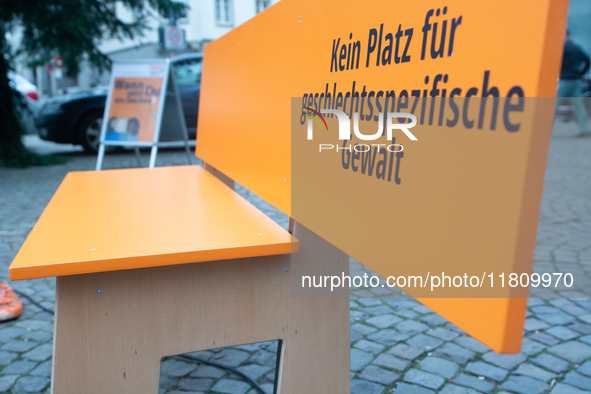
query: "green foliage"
72, 28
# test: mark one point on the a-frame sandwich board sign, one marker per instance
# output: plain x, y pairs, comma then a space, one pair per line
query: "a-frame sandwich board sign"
143, 109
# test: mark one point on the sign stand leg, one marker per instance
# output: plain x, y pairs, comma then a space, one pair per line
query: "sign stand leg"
188, 150
101, 154
153, 155
137, 155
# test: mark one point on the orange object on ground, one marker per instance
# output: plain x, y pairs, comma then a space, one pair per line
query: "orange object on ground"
11, 306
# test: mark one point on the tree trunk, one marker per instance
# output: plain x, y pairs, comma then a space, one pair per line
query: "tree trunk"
12, 151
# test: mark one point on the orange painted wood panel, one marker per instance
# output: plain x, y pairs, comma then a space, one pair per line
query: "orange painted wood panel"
289, 50
136, 218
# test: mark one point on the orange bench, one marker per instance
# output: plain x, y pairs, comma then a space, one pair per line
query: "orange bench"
164, 261
123, 245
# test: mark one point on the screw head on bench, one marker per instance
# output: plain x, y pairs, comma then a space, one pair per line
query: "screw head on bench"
99, 291
285, 271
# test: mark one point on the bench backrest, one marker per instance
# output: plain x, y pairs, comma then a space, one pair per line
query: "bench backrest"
469, 197
244, 116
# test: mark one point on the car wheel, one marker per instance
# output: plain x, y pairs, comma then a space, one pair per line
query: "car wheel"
89, 132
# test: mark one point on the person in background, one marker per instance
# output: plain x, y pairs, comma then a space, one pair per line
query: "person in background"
575, 63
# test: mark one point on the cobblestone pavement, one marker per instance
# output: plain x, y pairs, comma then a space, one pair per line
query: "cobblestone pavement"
397, 345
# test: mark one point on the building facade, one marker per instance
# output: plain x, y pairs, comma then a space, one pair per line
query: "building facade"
203, 21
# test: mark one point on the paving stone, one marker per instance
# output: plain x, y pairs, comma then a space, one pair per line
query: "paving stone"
369, 301
530, 347
577, 380
442, 333
475, 383
37, 336
231, 357
188, 384
404, 388
455, 352
208, 371
9, 333
254, 371
271, 375
487, 370
532, 324
424, 342
551, 363
204, 354
562, 388
506, 361
19, 346
453, 389
407, 313
377, 310
365, 387
6, 382
405, 351
574, 310
524, 385
411, 327
262, 357
30, 384
572, 351
383, 321
7, 357
585, 369
545, 309
363, 329
43, 369
391, 362
433, 319
544, 338
176, 368
267, 388
369, 346
19, 367
422, 309
388, 337
562, 333
40, 353
401, 303
586, 339
424, 379
583, 328
472, 344
585, 318
228, 386
378, 375
359, 359
555, 318
34, 325
356, 316
354, 336
535, 372
440, 367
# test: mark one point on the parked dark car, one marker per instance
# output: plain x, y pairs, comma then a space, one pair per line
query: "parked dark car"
77, 118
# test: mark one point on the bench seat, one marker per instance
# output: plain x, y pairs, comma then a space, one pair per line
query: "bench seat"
137, 218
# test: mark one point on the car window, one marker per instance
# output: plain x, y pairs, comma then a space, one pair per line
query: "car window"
188, 73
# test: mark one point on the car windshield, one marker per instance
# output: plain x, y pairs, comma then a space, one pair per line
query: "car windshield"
188, 72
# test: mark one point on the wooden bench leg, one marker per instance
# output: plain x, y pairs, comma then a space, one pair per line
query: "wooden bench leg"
112, 341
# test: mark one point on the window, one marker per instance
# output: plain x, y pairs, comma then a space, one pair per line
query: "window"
223, 12
262, 4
